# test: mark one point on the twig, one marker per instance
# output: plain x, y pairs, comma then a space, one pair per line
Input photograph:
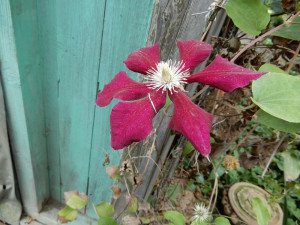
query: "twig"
272, 156
214, 191
246, 136
293, 59
276, 46
148, 157
200, 92
264, 35
179, 151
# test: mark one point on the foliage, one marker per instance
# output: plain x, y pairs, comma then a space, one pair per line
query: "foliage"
176, 217
241, 12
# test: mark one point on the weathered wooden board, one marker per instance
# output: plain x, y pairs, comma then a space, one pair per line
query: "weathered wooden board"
70, 37
22, 90
57, 55
81, 44
125, 30
172, 21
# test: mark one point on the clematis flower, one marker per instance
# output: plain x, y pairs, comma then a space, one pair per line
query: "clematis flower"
131, 120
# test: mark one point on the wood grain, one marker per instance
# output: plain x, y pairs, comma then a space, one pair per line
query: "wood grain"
22, 86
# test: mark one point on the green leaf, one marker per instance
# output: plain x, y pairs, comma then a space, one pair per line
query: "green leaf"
175, 217
68, 213
107, 221
75, 202
298, 7
188, 148
261, 211
267, 67
168, 102
132, 206
220, 173
173, 191
279, 95
113, 172
145, 220
104, 209
292, 31
276, 123
251, 16
291, 166
221, 221
191, 186
200, 179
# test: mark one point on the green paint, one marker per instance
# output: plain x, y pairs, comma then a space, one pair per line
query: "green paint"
20, 76
125, 30
25, 27
64, 48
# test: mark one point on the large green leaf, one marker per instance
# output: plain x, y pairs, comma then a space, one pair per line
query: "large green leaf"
221, 221
175, 217
267, 67
76, 202
276, 123
292, 31
133, 205
261, 211
104, 209
67, 214
107, 221
251, 16
291, 166
279, 95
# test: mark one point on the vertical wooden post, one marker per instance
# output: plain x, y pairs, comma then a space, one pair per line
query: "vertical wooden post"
21, 89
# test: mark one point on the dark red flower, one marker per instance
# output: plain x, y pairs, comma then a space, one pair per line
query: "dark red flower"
131, 121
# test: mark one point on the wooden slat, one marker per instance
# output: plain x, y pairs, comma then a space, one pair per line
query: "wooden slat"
125, 30
173, 22
22, 86
70, 45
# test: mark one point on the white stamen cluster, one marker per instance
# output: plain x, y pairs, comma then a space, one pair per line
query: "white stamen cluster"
167, 76
201, 214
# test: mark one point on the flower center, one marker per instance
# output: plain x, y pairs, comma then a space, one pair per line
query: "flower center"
167, 76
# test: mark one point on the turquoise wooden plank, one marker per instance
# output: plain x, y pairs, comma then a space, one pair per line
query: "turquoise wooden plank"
21, 81
46, 15
25, 26
70, 38
125, 30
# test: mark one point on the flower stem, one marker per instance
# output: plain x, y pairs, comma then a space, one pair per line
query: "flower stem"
293, 59
264, 35
272, 156
200, 92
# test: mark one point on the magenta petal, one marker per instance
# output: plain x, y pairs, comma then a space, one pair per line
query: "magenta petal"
191, 121
122, 87
224, 75
143, 59
193, 52
132, 121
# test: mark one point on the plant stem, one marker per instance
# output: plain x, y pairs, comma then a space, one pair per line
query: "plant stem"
200, 92
264, 35
293, 59
272, 156
215, 189
94, 207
